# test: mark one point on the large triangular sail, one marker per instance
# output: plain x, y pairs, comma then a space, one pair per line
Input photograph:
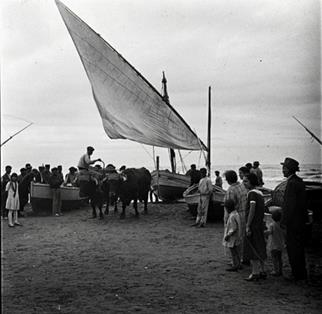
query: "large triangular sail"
130, 107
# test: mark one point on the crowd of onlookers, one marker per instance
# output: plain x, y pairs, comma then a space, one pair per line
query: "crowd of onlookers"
246, 234
15, 188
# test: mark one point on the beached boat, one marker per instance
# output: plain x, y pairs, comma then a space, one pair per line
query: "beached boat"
216, 205
41, 197
129, 106
169, 186
192, 196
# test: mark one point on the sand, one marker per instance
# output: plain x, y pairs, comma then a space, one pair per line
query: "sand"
153, 264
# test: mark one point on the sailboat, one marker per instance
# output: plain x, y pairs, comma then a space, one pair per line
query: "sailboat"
129, 106
168, 185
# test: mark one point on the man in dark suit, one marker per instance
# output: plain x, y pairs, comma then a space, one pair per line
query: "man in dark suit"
295, 216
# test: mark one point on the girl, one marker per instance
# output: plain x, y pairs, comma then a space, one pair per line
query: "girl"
255, 245
233, 234
12, 203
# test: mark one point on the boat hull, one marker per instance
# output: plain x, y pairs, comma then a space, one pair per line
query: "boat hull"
169, 186
41, 197
216, 205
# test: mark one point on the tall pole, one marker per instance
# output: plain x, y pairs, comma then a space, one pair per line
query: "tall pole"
166, 98
12, 136
208, 163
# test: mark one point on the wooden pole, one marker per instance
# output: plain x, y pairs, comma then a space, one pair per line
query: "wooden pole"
12, 136
208, 163
158, 168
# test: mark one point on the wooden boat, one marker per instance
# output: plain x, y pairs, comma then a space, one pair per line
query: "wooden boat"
169, 186
216, 205
192, 196
41, 197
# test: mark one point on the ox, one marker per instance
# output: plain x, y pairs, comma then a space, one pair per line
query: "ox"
132, 184
92, 187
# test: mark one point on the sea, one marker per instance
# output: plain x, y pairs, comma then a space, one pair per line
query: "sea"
272, 174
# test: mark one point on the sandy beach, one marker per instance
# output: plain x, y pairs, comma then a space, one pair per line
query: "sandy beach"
153, 264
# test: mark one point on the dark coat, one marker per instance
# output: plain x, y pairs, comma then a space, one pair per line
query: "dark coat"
295, 213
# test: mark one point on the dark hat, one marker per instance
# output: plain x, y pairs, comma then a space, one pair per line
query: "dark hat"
72, 169
256, 162
8, 167
28, 166
90, 148
54, 169
291, 164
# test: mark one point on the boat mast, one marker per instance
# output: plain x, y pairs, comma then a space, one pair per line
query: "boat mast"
208, 162
307, 130
165, 97
12, 136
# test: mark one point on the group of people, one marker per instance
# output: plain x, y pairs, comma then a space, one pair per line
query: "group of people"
246, 233
15, 189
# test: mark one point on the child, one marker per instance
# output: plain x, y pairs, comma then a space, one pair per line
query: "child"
233, 234
12, 203
276, 242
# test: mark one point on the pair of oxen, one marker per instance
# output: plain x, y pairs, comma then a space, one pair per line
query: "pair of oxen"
108, 186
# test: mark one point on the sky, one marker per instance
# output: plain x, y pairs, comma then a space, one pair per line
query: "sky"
261, 58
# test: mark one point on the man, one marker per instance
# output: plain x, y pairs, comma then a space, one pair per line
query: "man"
23, 188
194, 175
242, 171
218, 181
295, 216
85, 172
85, 161
71, 178
60, 172
4, 180
28, 168
205, 189
259, 173
46, 174
238, 193
55, 183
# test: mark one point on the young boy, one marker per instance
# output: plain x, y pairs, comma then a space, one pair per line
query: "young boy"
276, 242
233, 234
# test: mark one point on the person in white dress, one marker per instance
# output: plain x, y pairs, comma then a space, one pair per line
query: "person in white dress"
12, 203
205, 190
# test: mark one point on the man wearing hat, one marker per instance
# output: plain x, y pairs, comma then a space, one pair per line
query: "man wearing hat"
294, 218
85, 172
85, 161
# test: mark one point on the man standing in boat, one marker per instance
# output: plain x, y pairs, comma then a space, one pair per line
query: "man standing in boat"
85, 171
205, 190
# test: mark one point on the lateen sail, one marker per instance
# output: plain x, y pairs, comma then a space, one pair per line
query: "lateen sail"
130, 107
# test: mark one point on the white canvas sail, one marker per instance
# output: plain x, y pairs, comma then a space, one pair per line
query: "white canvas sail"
130, 107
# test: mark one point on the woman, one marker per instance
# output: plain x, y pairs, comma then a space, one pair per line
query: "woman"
255, 245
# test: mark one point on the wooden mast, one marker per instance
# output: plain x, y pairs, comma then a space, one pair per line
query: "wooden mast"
166, 99
208, 162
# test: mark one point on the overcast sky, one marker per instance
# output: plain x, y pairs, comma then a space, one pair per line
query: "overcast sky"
262, 59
